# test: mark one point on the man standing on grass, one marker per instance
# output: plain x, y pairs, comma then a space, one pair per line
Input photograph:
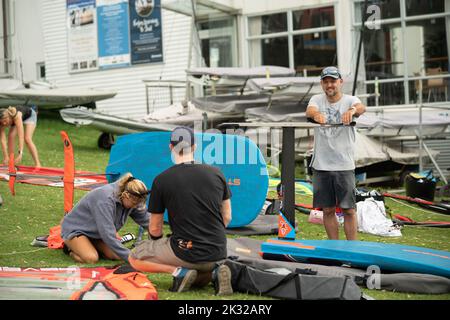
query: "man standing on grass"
333, 158
197, 199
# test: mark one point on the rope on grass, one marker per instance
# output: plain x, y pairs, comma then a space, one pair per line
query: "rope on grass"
20, 252
410, 206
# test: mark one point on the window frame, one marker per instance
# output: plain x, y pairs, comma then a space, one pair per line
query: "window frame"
230, 31
290, 33
39, 66
403, 20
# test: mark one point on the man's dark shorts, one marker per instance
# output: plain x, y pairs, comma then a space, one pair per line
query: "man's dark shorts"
334, 188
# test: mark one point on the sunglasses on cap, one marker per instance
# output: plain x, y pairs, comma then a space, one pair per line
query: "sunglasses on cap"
330, 72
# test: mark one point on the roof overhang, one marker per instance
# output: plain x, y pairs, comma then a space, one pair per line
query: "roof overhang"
203, 8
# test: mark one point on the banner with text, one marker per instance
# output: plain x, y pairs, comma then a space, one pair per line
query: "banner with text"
145, 31
105, 34
82, 35
113, 33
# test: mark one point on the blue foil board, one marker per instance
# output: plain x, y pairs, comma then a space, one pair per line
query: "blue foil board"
360, 254
147, 154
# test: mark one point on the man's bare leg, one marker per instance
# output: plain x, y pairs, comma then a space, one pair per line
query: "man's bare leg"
152, 267
350, 224
330, 222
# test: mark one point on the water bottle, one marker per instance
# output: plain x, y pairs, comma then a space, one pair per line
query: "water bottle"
340, 216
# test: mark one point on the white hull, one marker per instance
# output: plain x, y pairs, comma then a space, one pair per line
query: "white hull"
164, 119
12, 92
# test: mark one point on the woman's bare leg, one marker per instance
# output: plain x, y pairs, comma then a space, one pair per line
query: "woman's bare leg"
104, 250
83, 250
29, 131
12, 133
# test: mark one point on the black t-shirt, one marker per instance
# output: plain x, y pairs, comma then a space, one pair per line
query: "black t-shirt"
193, 193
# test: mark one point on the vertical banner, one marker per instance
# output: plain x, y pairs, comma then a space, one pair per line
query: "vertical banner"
145, 31
82, 35
113, 33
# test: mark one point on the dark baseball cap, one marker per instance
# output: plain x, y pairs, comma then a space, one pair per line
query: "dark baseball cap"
332, 72
182, 134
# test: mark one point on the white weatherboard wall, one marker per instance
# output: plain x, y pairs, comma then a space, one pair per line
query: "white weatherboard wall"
24, 37
130, 101
27, 36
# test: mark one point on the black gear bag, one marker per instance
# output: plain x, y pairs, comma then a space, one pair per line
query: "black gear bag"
291, 285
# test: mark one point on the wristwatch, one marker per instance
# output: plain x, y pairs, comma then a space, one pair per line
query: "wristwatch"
20, 152
353, 108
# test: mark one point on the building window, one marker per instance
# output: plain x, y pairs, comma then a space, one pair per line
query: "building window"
313, 18
270, 51
419, 7
410, 42
40, 71
383, 52
267, 24
218, 42
304, 40
314, 51
389, 9
432, 42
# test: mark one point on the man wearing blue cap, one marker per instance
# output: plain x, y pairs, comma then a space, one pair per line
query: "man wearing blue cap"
333, 158
197, 199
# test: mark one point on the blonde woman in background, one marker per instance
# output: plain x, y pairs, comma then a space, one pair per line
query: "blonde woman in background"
89, 230
21, 121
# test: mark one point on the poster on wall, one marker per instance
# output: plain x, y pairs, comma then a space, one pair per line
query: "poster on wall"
82, 35
145, 31
113, 33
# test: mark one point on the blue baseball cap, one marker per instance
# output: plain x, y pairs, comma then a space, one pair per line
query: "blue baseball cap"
182, 134
332, 72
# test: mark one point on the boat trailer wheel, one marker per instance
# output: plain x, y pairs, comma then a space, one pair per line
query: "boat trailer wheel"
105, 140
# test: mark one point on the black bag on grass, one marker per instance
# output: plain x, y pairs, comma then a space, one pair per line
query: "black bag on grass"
293, 285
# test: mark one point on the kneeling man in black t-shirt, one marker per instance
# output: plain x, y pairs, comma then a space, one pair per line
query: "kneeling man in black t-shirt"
197, 199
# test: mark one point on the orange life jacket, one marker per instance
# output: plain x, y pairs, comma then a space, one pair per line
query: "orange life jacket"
128, 286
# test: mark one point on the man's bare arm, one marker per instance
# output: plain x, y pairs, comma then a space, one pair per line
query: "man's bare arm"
155, 227
314, 113
225, 210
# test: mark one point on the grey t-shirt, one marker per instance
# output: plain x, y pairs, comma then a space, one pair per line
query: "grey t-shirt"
99, 214
334, 147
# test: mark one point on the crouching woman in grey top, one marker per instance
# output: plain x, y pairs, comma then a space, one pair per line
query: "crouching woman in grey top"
89, 230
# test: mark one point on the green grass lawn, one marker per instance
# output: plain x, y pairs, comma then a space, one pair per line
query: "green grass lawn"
35, 209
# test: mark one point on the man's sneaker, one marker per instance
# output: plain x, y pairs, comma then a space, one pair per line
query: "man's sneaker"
222, 280
183, 278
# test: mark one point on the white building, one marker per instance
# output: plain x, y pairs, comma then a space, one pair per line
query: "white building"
403, 40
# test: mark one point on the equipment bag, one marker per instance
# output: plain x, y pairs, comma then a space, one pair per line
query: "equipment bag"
421, 185
285, 284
